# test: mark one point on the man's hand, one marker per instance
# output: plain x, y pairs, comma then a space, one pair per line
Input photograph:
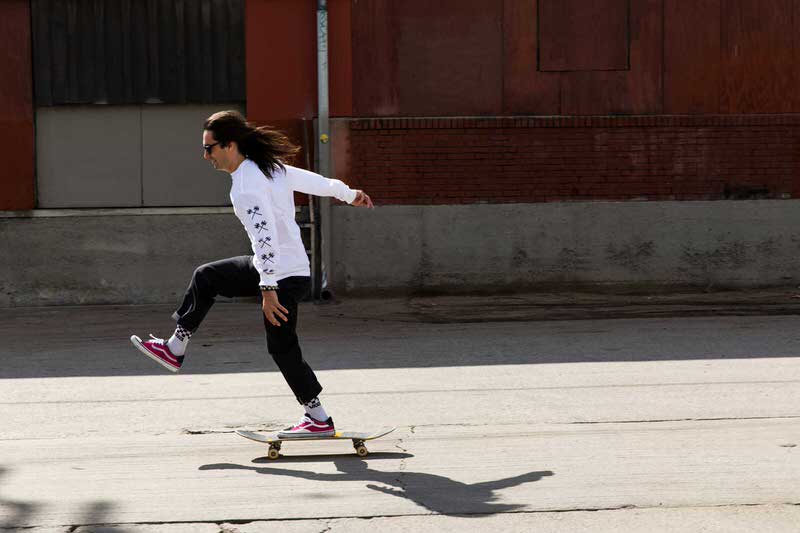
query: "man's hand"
272, 308
362, 200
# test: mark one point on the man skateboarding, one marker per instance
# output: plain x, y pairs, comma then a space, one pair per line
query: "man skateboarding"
262, 194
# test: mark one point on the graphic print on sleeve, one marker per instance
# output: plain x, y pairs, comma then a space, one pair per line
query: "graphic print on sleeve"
259, 221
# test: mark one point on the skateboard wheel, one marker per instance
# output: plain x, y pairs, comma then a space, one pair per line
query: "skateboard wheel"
362, 451
273, 453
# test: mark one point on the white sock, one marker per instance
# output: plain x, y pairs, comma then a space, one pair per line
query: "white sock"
315, 410
179, 340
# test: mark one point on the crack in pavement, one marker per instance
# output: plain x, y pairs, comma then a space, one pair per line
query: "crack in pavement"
402, 468
657, 420
413, 429
396, 392
331, 519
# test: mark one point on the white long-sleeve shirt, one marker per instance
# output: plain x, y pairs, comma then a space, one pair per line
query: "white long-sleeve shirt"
266, 209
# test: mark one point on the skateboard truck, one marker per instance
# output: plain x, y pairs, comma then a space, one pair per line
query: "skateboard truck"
361, 450
275, 442
275, 449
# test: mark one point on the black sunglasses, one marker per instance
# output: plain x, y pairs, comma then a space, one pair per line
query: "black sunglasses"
209, 147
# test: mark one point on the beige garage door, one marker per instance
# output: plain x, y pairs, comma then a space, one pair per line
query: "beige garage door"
126, 156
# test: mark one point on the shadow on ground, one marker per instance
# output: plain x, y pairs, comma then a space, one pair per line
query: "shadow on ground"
17, 515
435, 493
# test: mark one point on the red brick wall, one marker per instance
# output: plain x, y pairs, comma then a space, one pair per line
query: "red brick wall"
541, 159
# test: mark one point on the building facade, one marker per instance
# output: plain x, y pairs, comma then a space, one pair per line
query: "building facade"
510, 144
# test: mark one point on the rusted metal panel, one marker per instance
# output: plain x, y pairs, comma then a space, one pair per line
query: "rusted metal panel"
281, 60
594, 93
340, 57
450, 57
638, 90
575, 35
525, 89
441, 58
15, 68
795, 64
16, 106
757, 51
644, 82
375, 82
136, 51
692, 73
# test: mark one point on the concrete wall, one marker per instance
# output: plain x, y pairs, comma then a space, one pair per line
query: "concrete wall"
110, 256
126, 156
565, 245
148, 255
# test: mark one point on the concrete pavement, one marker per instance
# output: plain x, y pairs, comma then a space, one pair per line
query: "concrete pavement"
510, 423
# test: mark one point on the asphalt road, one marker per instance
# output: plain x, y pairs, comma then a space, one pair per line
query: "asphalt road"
510, 423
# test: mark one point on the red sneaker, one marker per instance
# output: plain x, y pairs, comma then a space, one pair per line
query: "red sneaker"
309, 427
157, 350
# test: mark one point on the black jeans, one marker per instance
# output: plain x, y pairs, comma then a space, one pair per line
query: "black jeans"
237, 277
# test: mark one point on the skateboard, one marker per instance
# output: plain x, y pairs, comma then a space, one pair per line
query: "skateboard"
275, 442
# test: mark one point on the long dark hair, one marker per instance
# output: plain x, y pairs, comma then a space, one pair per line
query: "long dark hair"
266, 147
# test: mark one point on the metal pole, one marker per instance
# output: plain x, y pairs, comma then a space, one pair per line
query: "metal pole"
322, 88
323, 138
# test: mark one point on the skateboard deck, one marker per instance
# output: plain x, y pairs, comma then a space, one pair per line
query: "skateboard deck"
275, 442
